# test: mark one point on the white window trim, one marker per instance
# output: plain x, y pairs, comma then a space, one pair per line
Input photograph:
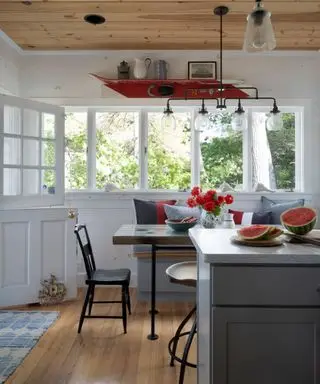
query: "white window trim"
192, 107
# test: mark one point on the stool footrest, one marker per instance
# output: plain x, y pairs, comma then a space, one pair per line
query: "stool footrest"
176, 358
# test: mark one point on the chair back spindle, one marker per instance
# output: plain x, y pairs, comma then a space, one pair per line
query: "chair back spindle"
86, 249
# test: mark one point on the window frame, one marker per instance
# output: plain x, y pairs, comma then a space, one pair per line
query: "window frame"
191, 108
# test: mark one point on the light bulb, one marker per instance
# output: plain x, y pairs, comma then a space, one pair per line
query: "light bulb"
201, 122
274, 122
239, 121
168, 122
259, 35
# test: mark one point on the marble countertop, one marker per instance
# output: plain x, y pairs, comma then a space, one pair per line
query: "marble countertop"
216, 247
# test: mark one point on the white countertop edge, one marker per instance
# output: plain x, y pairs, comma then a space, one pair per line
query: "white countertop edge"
287, 254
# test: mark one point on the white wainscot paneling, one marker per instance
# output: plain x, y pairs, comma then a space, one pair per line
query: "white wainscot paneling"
105, 212
53, 248
33, 244
15, 253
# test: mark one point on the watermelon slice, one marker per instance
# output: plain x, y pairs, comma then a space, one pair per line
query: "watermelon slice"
300, 220
274, 232
254, 232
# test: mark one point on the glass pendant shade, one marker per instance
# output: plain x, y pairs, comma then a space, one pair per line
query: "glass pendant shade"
168, 122
201, 122
274, 122
259, 35
239, 121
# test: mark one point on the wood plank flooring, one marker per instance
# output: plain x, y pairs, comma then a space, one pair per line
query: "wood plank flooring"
102, 354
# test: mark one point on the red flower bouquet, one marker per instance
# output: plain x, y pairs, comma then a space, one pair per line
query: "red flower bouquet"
210, 201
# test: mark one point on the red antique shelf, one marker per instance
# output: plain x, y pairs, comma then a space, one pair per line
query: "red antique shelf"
181, 88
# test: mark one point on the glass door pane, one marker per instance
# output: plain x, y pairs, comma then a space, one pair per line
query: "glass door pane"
11, 181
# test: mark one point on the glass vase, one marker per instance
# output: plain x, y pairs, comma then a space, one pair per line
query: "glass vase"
208, 219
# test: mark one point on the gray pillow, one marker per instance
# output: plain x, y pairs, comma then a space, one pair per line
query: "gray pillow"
178, 212
277, 208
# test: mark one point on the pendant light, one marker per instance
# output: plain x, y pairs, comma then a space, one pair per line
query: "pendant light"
168, 121
239, 119
274, 121
259, 18
259, 35
202, 121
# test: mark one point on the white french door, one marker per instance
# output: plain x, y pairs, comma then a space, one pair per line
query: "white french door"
35, 239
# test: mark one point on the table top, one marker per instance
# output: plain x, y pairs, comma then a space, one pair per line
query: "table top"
216, 247
158, 234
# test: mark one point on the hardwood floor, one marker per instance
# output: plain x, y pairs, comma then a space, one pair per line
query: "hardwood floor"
102, 354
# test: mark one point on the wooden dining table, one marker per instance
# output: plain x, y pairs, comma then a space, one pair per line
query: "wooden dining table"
159, 236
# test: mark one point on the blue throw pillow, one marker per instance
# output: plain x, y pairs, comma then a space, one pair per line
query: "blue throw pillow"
277, 208
178, 212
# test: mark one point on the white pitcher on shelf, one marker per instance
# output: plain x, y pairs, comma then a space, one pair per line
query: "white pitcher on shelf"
141, 68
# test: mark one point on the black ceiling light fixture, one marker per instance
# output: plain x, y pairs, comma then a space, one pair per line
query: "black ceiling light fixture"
239, 118
94, 19
259, 35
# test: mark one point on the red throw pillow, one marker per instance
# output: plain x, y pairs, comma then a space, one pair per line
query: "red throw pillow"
151, 212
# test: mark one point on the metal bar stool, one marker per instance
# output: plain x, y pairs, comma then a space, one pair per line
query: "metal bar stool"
184, 273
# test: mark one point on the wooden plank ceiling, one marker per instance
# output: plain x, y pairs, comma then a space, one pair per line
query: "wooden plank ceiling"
153, 24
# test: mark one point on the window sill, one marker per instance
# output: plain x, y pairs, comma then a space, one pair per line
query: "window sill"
149, 195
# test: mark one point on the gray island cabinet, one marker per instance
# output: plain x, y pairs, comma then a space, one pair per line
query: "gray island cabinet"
258, 311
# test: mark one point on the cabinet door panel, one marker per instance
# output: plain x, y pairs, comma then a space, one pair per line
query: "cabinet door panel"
266, 346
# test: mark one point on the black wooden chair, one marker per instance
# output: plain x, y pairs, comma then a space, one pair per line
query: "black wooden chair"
101, 277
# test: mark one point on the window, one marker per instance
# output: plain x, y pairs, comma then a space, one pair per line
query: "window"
169, 152
117, 149
273, 153
221, 152
31, 142
129, 149
75, 157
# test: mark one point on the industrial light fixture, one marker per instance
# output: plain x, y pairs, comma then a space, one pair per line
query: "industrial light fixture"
239, 116
239, 120
259, 35
202, 121
168, 120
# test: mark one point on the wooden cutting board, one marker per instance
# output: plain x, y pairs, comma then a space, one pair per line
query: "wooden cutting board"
312, 237
258, 243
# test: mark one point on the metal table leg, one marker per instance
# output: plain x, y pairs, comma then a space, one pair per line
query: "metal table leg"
152, 335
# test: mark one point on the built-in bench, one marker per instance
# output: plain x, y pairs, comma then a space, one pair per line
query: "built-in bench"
165, 258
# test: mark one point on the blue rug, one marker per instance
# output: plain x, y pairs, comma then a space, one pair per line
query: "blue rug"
19, 333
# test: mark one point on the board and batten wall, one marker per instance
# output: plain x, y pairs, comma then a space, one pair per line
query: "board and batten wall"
10, 59
62, 78
105, 212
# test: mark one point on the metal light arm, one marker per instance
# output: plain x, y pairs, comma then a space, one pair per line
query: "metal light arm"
194, 98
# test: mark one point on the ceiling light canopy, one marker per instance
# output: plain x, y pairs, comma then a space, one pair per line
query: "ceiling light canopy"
262, 37
259, 35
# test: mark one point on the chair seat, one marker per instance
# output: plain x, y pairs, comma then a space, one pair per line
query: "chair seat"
184, 273
110, 276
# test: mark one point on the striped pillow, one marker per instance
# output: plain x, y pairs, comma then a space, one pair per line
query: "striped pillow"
247, 218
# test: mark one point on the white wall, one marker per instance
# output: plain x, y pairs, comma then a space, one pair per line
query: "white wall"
9, 67
63, 78
293, 78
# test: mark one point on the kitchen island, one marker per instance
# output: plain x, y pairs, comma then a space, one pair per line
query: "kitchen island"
258, 311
